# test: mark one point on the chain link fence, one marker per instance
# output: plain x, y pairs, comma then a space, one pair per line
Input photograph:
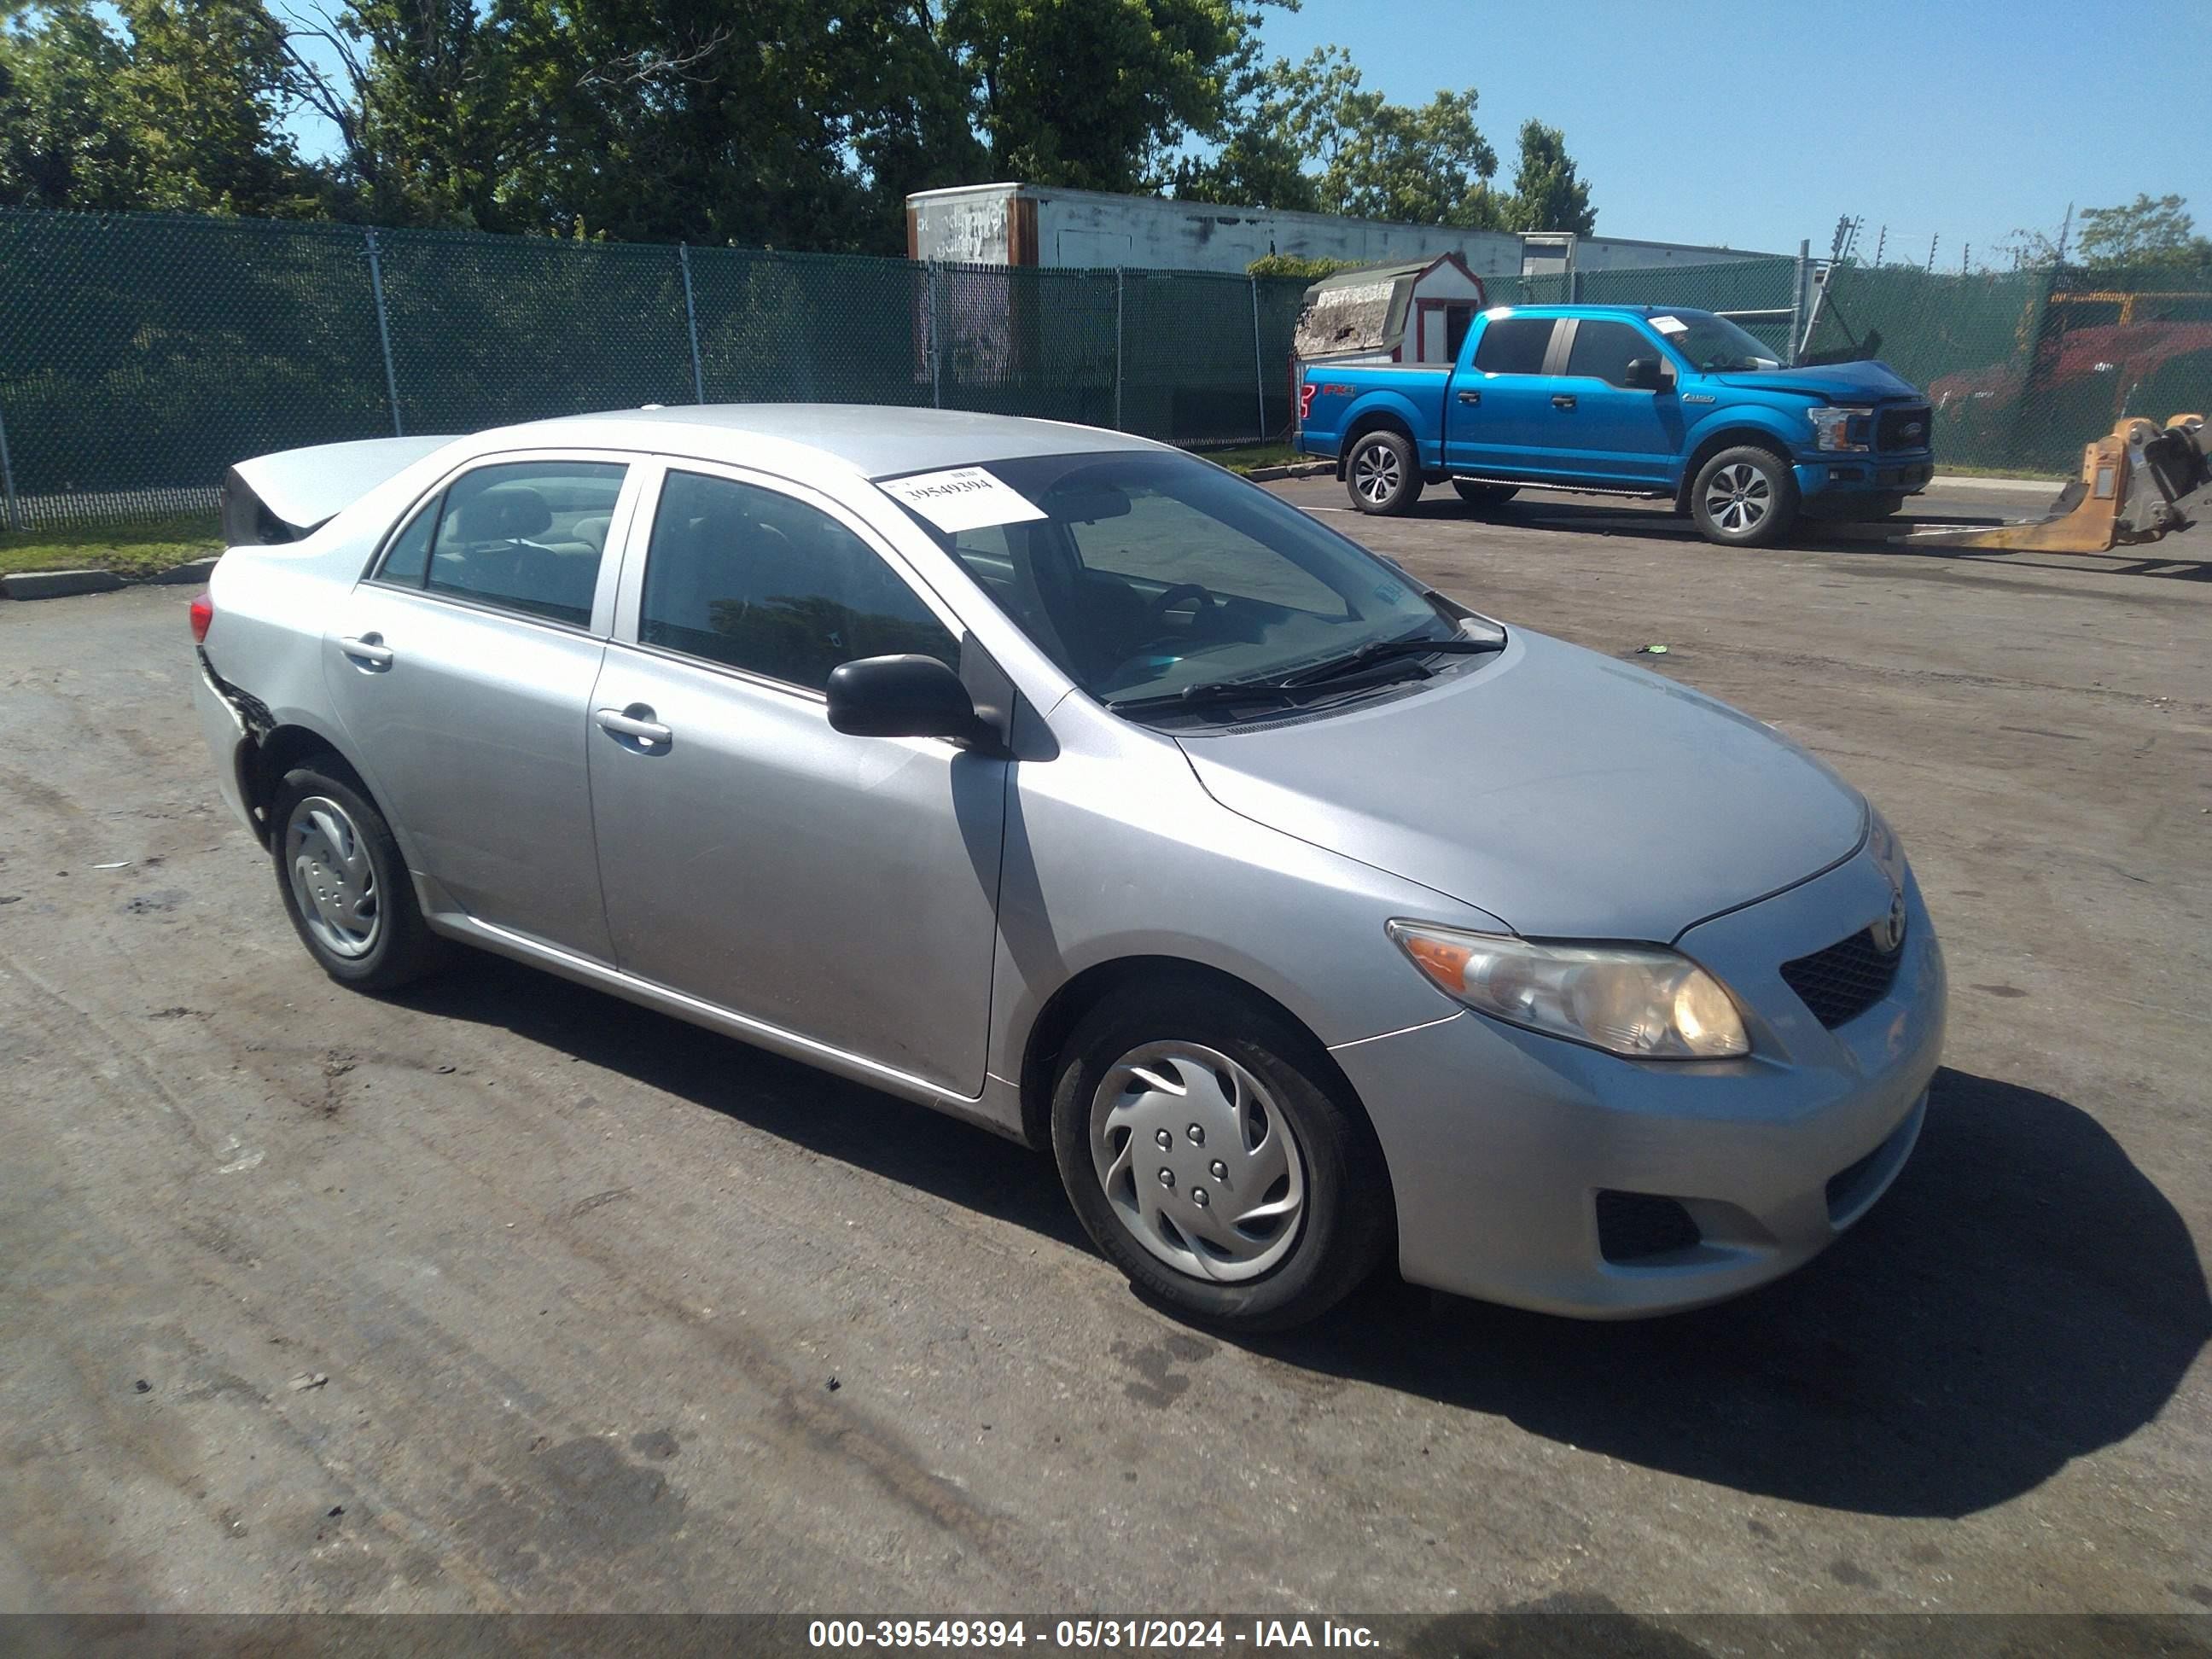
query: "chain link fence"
141, 355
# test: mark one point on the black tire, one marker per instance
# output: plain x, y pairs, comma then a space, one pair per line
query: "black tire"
399, 946
1762, 504
1342, 1227
1381, 474
1484, 498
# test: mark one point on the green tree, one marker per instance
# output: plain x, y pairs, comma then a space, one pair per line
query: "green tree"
1311, 135
180, 108
1547, 192
1096, 93
2148, 231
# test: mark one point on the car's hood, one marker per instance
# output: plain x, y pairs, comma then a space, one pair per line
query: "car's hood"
1567, 794
1857, 383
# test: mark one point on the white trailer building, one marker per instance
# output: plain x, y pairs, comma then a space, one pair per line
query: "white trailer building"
1018, 224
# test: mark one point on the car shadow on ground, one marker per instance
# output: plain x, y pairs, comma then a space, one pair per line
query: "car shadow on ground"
2022, 1297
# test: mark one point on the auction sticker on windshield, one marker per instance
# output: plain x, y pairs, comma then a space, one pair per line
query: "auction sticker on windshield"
962, 498
1670, 324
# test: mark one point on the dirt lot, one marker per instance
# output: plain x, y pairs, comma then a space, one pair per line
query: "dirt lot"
508, 1295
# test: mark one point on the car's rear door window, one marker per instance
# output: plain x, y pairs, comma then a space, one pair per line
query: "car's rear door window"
1514, 345
525, 536
749, 577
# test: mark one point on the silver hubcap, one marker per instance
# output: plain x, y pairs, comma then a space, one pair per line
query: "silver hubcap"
1198, 1161
1737, 498
1375, 473
332, 879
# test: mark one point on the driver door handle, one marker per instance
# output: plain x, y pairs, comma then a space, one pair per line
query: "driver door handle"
631, 722
367, 651
1563, 400
1470, 396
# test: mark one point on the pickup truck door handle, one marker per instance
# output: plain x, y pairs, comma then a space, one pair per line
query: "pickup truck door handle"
1470, 396
1563, 400
368, 653
635, 721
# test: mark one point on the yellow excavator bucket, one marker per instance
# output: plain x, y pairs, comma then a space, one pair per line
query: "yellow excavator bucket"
2135, 485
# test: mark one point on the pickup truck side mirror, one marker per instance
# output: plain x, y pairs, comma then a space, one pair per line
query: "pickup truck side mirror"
1645, 374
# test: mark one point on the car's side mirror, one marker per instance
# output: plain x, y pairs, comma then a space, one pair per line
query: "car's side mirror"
1645, 374
909, 697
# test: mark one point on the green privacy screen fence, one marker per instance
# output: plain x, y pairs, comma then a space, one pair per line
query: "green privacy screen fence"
140, 356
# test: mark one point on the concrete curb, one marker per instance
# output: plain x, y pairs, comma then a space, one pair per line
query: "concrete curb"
67, 584
182, 575
58, 584
1304, 469
2023, 486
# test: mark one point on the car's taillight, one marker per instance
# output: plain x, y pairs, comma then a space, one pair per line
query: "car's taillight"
202, 617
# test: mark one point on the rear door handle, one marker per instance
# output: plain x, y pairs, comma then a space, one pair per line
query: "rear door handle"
367, 651
635, 721
1563, 400
1470, 396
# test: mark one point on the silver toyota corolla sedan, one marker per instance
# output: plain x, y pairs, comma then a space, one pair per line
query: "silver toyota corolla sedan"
1070, 785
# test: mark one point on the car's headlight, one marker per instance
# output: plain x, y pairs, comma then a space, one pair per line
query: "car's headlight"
1641, 1001
1832, 426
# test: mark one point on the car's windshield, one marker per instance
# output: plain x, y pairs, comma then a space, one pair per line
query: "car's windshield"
1141, 574
1714, 345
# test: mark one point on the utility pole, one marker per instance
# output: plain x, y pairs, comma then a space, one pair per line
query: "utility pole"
2065, 231
1966, 256
1932, 240
1880, 242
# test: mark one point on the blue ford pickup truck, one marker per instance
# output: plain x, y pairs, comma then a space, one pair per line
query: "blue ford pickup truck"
1634, 400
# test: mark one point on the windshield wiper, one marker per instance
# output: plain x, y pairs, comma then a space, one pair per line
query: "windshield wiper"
1381, 651
1204, 693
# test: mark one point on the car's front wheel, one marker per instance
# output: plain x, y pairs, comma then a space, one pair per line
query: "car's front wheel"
344, 882
1213, 1159
1745, 497
1382, 474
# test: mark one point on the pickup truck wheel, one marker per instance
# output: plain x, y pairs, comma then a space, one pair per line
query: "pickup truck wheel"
1382, 474
1745, 497
1483, 497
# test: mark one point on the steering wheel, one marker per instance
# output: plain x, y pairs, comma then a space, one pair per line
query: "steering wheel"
1156, 613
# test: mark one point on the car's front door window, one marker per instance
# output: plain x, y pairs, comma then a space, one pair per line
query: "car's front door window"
762, 581
1603, 349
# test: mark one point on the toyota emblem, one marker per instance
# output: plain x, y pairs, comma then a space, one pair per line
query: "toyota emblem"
1889, 932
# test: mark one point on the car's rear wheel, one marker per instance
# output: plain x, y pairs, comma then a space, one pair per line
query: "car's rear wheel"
1484, 498
1745, 497
1382, 473
1212, 1159
344, 882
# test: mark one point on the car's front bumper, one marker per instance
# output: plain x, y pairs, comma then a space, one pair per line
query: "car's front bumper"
1498, 1140
1838, 476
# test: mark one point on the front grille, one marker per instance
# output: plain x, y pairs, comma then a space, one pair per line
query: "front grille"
1842, 981
1633, 1226
1903, 429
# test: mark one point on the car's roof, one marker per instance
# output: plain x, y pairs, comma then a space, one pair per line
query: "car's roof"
1586, 308
873, 440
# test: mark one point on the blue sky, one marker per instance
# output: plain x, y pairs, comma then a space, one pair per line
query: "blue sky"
1758, 125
